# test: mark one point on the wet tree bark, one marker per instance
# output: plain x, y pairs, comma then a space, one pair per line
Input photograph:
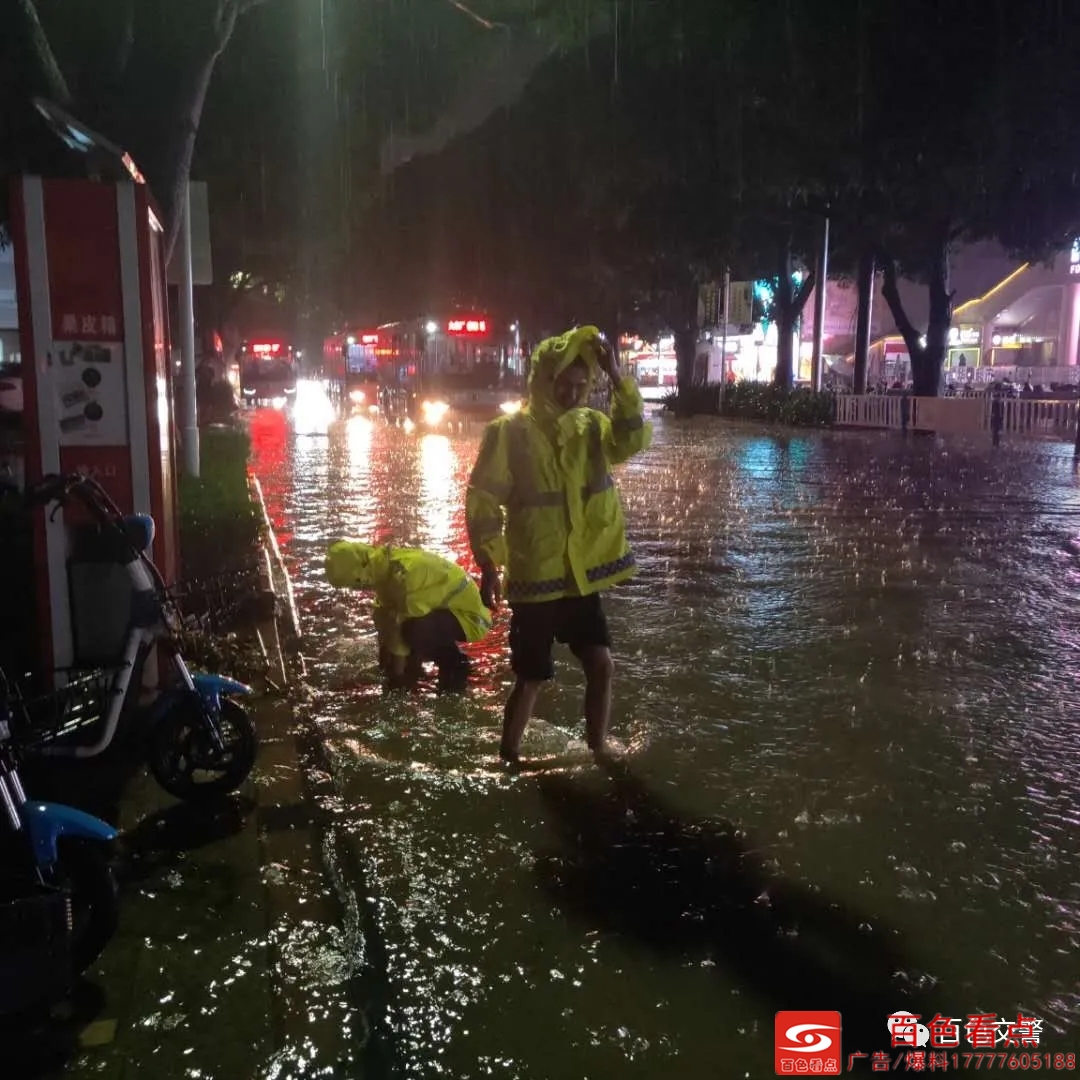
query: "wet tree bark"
927, 360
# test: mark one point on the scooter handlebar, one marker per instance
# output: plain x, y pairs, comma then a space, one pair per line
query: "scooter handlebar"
53, 487
58, 487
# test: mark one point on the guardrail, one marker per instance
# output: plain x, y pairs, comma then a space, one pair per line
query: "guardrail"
1038, 417
959, 416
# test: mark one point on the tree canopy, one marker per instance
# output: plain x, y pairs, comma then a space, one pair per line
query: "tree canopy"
557, 158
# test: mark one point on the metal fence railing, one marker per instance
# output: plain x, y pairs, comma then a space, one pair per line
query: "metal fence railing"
221, 602
1048, 418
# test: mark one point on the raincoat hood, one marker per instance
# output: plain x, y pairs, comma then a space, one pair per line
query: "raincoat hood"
351, 564
550, 359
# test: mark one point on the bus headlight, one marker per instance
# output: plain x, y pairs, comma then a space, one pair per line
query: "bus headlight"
434, 411
357, 397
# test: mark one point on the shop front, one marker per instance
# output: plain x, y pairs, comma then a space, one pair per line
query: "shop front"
653, 365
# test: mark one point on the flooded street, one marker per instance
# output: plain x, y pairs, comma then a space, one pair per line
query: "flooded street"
847, 685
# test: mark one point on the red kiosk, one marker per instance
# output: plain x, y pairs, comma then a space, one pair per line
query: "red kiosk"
94, 334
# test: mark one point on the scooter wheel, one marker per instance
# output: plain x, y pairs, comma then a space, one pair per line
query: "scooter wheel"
85, 871
185, 762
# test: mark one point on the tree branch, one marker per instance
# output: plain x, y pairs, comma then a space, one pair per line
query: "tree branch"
487, 24
30, 34
228, 11
494, 84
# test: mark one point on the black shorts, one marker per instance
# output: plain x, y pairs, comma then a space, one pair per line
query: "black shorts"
577, 621
435, 636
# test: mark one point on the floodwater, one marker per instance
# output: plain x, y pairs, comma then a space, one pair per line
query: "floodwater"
847, 687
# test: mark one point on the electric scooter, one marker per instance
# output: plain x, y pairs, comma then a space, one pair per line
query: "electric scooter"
49, 854
199, 741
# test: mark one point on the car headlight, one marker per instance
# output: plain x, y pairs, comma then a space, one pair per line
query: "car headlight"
357, 397
434, 411
510, 407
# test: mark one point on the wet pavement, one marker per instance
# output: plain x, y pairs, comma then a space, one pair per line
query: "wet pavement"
847, 687
237, 953
847, 692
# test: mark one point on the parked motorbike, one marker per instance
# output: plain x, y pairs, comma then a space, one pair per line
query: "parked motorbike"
200, 742
50, 852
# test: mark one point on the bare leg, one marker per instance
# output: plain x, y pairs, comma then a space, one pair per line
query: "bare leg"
516, 715
599, 670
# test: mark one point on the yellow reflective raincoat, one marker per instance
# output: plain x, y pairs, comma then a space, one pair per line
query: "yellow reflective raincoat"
408, 584
541, 500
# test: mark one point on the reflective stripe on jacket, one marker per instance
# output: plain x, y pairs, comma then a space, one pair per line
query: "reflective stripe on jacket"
408, 584
542, 502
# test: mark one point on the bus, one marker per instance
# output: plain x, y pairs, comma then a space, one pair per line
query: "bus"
267, 371
437, 372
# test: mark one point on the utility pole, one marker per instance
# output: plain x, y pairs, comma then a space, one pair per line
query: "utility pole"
817, 363
723, 337
189, 423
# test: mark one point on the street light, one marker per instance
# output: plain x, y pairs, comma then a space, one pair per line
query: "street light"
515, 329
432, 327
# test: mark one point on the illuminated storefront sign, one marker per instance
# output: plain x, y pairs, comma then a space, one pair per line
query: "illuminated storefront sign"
1074, 258
965, 335
467, 326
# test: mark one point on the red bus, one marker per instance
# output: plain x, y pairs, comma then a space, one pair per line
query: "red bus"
267, 370
437, 371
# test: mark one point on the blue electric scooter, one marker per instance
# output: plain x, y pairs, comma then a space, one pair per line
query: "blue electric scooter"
199, 741
49, 851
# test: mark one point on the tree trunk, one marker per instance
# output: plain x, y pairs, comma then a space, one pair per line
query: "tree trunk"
927, 360
937, 329
685, 355
867, 269
785, 327
790, 302
178, 149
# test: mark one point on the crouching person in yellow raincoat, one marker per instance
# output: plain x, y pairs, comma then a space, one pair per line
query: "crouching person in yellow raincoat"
542, 503
425, 606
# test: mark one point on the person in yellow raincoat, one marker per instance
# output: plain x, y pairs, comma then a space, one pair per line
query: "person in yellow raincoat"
425, 606
542, 503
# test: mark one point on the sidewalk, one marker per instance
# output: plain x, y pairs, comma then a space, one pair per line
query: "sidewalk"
235, 957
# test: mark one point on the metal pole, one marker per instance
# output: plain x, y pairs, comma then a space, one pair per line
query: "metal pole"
189, 424
817, 362
723, 337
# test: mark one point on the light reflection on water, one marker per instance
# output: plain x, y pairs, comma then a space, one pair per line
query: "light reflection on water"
847, 675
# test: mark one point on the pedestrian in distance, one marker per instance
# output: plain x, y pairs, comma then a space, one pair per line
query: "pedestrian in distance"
542, 505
